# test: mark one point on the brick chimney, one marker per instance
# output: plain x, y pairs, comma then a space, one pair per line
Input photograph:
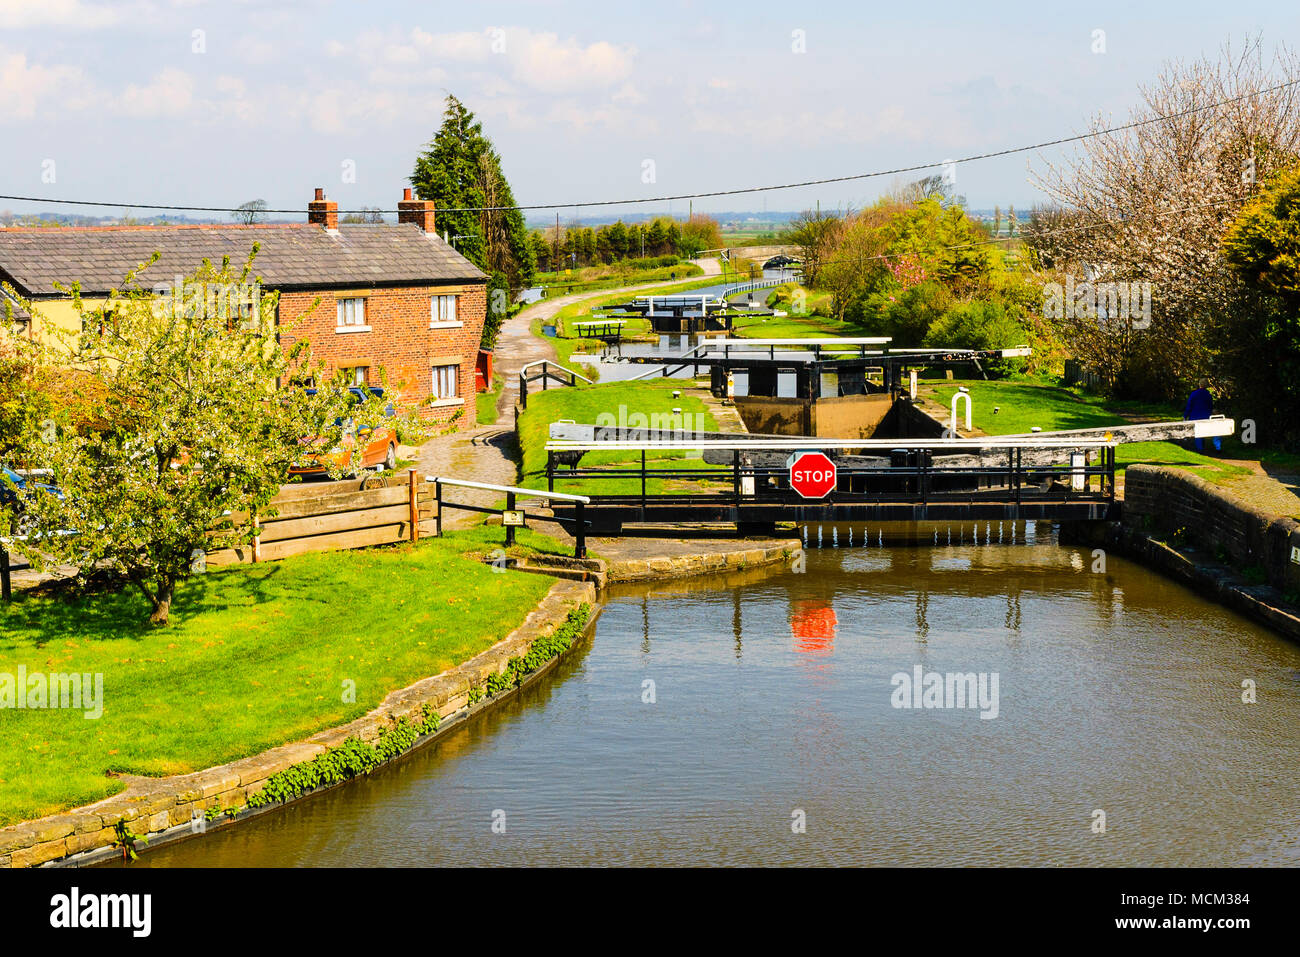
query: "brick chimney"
322, 212
418, 211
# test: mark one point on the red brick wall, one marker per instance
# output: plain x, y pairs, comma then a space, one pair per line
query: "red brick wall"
400, 339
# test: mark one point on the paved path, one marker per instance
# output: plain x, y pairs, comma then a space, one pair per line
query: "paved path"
1267, 489
490, 453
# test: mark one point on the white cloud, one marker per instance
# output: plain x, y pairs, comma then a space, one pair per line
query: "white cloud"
25, 87
547, 63
22, 14
169, 93
541, 61
253, 48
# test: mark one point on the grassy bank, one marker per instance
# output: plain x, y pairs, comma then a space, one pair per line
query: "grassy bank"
256, 656
595, 278
1022, 405
622, 401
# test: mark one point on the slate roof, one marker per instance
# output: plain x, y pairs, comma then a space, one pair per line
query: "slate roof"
291, 256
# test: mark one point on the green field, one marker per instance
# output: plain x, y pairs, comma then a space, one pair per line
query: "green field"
256, 656
585, 405
595, 278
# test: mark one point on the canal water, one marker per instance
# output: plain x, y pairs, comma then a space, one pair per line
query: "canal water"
756, 719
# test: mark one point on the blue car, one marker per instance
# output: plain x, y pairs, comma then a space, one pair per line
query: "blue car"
13, 489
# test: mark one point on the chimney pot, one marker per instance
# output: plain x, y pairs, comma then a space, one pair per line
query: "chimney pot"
323, 212
417, 211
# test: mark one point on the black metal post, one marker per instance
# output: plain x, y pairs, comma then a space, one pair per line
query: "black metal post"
510, 529
546, 375
437, 495
1018, 477
643, 485
550, 471
924, 477
579, 532
735, 475
5, 591
523, 390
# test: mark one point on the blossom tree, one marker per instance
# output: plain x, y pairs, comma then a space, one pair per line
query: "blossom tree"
196, 417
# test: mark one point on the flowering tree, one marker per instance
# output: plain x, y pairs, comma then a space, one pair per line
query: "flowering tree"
1151, 203
197, 415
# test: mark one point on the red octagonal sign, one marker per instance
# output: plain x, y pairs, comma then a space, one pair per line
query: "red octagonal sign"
812, 474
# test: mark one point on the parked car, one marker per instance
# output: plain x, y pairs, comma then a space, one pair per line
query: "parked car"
14, 488
361, 448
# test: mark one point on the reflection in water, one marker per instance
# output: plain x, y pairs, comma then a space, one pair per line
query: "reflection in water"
1119, 690
812, 623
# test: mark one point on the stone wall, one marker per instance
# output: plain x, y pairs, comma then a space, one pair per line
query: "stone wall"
1172, 503
164, 806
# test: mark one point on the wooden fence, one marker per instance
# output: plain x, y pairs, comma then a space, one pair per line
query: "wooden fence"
320, 517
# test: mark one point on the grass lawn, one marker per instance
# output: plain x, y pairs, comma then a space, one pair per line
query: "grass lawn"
585, 405
789, 327
811, 322
1023, 405
486, 402
256, 656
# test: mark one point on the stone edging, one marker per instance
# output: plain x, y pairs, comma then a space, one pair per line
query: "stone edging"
682, 566
1258, 602
164, 805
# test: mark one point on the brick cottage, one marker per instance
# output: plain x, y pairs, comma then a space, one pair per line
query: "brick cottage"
366, 297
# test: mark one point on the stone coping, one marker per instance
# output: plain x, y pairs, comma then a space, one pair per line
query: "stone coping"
701, 563
155, 806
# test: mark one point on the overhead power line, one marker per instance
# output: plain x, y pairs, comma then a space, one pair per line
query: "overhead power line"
1010, 151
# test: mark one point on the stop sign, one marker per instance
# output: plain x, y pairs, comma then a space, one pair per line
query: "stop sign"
812, 474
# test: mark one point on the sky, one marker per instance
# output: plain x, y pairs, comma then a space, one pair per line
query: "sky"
216, 102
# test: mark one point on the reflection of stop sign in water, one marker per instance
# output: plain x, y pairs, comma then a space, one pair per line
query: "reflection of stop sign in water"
812, 622
812, 474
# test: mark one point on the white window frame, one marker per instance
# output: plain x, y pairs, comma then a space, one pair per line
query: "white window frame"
361, 373
442, 311
356, 322
436, 374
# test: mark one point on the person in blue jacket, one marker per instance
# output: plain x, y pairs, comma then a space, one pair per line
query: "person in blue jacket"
1200, 405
